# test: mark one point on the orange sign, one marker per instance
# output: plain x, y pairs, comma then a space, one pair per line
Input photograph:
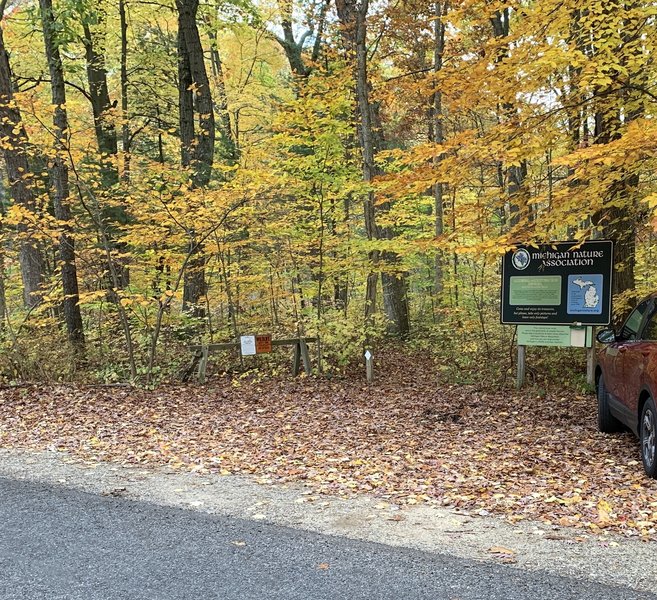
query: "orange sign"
263, 344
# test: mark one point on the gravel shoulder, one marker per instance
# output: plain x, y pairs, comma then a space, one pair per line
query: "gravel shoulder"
608, 559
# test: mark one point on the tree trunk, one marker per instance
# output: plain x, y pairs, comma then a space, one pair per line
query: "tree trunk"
20, 180
198, 146
353, 18
440, 9
619, 214
125, 126
293, 47
197, 150
515, 174
228, 143
106, 136
100, 104
59, 179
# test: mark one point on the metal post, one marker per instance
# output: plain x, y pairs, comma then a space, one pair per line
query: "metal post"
591, 360
520, 377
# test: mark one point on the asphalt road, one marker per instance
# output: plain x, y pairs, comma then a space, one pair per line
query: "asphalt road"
57, 543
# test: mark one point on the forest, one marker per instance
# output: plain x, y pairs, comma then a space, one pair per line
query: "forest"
187, 171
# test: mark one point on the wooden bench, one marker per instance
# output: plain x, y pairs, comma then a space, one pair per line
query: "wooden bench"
202, 352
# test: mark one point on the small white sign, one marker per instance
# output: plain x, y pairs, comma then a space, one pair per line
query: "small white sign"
578, 337
368, 355
248, 345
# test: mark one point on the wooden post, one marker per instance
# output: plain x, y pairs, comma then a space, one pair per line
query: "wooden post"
199, 364
591, 360
369, 366
203, 363
319, 356
296, 361
520, 377
305, 355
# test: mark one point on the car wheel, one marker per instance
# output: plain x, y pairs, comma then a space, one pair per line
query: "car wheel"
607, 423
648, 438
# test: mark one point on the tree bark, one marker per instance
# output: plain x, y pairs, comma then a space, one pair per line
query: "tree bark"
125, 126
15, 151
59, 179
440, 10
197, 152
101, 103
228, 142
515, 174
106, 135
353, 18
619, 215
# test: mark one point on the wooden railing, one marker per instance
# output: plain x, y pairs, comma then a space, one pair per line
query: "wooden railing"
202, 353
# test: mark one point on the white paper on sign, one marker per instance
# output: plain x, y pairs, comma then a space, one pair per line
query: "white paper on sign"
248, 345
578, 337
368, 355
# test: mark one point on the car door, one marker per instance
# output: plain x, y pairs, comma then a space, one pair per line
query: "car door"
616, 352
640, 360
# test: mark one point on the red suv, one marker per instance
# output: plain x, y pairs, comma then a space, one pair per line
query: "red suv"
626, 379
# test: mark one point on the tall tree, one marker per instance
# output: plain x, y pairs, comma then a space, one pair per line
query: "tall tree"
197, 152
353, 19
515, 173
21, 180
230, 151
94, 40
59, 178
621, 51
125, 126
437, 134
93, 27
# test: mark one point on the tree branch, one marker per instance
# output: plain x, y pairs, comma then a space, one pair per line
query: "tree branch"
40, 80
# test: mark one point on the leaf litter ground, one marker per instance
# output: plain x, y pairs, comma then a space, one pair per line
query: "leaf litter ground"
407, 439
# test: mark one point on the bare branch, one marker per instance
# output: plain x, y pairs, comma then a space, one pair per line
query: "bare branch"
36, 81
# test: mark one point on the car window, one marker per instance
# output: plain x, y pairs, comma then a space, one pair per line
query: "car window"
633, 323
650, 331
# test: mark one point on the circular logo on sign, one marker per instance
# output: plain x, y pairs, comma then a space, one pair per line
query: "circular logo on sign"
520, 259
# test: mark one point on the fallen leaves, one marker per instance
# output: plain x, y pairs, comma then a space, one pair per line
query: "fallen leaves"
506, 555
406, 440
604, 514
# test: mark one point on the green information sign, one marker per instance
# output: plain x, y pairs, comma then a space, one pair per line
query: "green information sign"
557, 283
535, 290
554, 335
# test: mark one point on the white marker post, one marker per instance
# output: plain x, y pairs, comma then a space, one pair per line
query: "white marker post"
591, 360
369, 366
